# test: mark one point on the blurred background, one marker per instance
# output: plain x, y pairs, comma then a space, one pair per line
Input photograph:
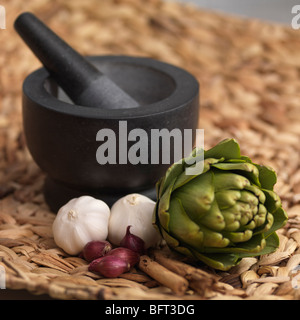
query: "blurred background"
270, 10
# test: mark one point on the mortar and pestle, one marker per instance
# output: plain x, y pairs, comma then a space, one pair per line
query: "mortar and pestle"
77, 108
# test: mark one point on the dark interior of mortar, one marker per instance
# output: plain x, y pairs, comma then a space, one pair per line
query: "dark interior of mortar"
145, 84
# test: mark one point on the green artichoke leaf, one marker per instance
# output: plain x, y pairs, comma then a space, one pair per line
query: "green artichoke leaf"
197, 195
213, 219
246, 159
228, 180
273, 201
182, 227
163, 206
220, 261
170, 176
235, 160
196, 155
267, 177
239, 216
184, 251
185, 178
238, 236
280, 219
269, 222
248, 197
228, 149
227, 198
253, 246
232, 218
225, 261
257, 192
260, 218
155, 222
272, 243
157, 186
247, 170
171, 241
188, 232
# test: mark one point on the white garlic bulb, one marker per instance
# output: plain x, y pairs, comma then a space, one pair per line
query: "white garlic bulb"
135, 210
79, 221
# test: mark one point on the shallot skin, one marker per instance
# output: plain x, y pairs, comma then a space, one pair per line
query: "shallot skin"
95, 249
109, 266
126, 254
133, 242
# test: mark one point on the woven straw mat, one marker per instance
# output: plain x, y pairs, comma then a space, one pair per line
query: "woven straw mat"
250, 90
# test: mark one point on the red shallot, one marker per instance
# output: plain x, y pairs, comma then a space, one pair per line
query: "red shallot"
126, 254
133, 242
109, 266
95, 249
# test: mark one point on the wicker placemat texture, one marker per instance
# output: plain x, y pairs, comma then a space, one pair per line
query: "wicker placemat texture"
249, 73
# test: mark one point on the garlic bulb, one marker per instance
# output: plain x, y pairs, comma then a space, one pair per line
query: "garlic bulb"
79, 221
133, 210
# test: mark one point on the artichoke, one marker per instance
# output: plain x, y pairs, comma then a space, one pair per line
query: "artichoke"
227, 212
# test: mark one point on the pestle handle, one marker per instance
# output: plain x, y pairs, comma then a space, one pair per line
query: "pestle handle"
81, 80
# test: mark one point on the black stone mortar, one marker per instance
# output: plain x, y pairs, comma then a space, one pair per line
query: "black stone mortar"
73, 100
61, 136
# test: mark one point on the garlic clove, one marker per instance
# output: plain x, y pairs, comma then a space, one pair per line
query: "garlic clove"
135, 210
